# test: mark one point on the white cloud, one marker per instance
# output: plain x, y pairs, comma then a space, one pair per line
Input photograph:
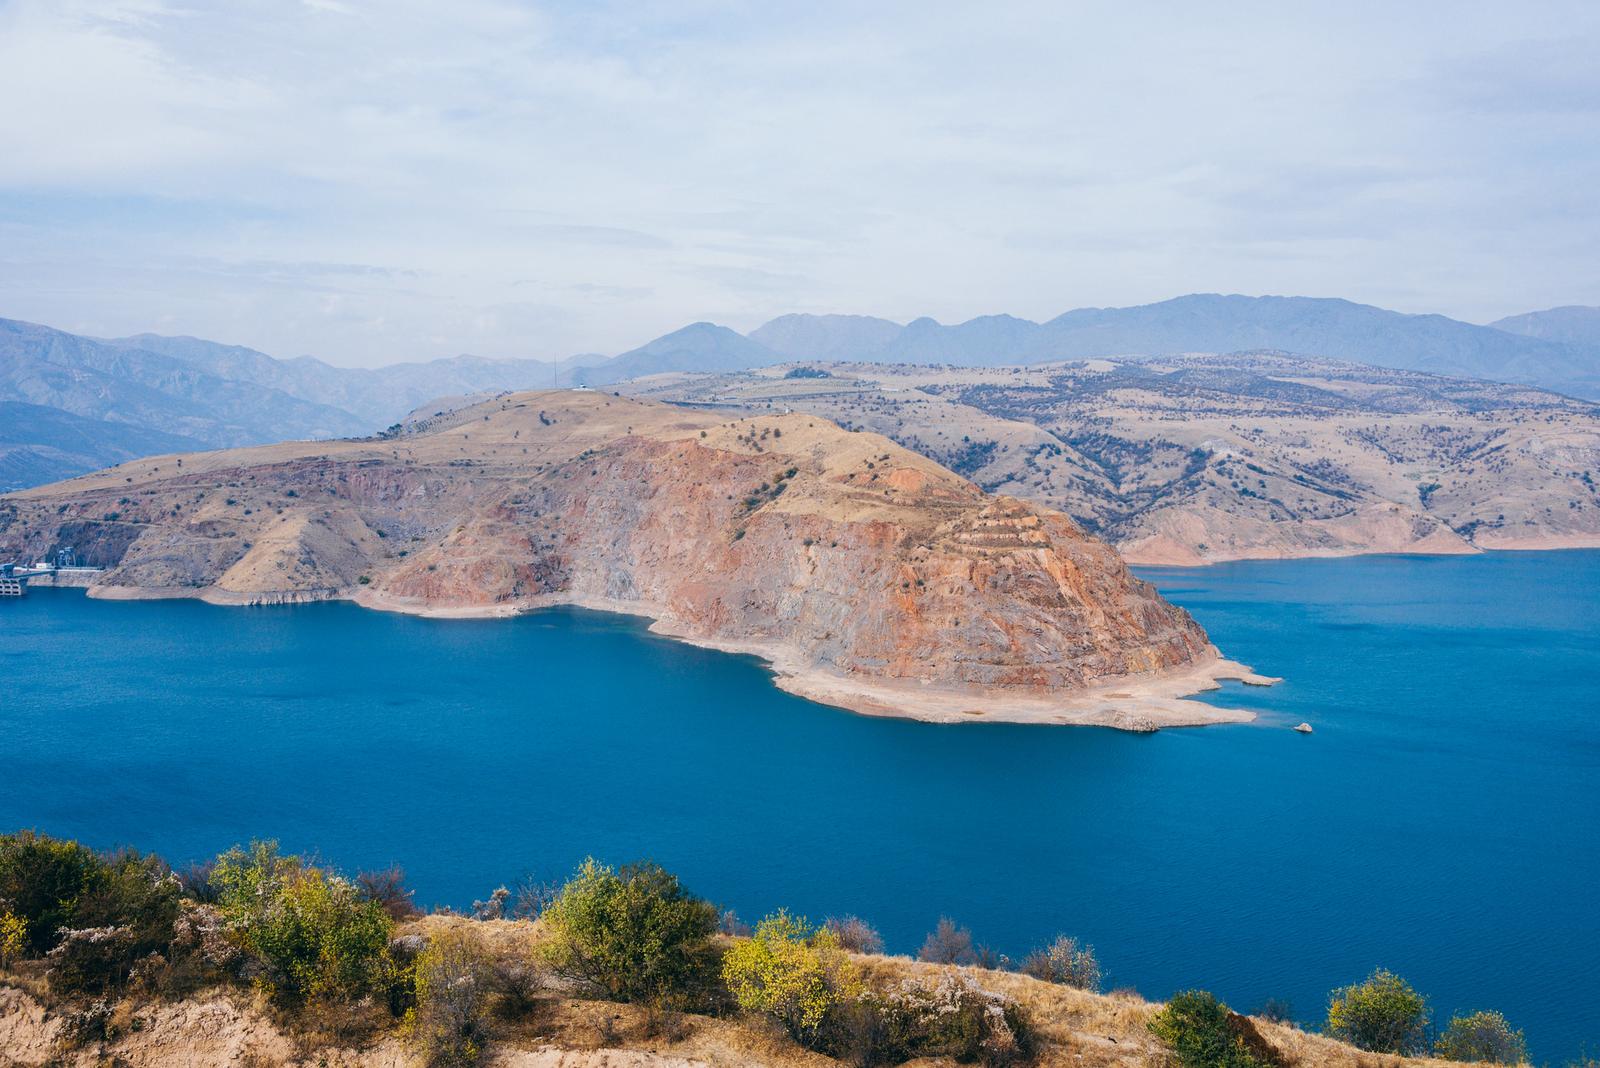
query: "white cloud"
639, 166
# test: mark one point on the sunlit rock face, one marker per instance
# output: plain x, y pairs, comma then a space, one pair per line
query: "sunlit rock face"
825, 550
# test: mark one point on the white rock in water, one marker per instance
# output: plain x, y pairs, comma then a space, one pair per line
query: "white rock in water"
1304, 728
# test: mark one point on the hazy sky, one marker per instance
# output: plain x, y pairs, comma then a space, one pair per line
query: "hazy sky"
371, 182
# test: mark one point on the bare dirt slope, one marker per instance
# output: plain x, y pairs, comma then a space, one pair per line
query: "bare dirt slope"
870, 576
1194, 459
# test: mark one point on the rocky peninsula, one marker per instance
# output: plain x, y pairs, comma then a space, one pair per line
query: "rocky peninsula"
869, 576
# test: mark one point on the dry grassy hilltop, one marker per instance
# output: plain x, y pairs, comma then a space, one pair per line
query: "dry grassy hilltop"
260, 958
871, 577
562, 1028
1184, 460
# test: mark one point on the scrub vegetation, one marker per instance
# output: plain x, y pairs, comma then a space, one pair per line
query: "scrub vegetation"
102, 951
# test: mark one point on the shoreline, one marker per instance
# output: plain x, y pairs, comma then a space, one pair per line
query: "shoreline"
1537, 544
1140, 704
1136, 703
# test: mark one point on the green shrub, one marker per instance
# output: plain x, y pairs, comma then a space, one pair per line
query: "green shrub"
955, 1017
1064, 961
633, 935
1200, 1032
453, 985
1482, 1036
94, 916
89, 959
791, 971
125, 915
134, 891
312, 932
1383, 1014
41, 880
950, 1016
866, 1031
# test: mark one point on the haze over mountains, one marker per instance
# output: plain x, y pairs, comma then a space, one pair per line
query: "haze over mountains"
1572, 325
1559, 349
191, 392
40, 444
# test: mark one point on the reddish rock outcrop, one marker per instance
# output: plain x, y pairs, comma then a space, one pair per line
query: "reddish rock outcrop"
844, 559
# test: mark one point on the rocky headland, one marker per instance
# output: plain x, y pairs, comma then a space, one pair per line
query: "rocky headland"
869, 576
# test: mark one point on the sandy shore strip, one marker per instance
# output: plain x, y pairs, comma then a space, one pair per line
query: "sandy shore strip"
1164, 552
1144, 703
1539, 542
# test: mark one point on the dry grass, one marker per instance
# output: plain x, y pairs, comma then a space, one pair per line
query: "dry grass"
1297, 1047
1106, 1030
1074, 1027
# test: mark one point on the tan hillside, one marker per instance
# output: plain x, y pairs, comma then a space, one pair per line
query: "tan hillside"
871, 577
227, 1026
1187, 460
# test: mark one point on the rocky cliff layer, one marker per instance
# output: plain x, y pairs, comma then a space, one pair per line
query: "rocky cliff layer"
870, 576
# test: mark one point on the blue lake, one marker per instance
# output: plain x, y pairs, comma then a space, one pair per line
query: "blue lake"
1443, 821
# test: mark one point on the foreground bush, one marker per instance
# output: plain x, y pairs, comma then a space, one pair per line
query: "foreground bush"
453, 985
951, 1016
92, 916
135, 900
312, 933
388, 889
41, 880
1200, 1032
1482, 1036
13, 938
203, 951
948, 944
633, 935
1064, 961
790, 971
855, 934
1383, 1014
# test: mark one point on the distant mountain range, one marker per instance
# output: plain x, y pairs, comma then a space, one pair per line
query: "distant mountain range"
39, 444
827, 337
374, 397
697, 347
188, 392
116, 398
1558, 349
1572, 325
121, 383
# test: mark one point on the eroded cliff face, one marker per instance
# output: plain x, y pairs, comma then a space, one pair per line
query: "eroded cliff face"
831, 553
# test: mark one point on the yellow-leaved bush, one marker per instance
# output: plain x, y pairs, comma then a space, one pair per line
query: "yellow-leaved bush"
13, 938
792, 971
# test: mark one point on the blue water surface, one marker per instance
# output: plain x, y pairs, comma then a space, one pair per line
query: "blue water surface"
1443, 821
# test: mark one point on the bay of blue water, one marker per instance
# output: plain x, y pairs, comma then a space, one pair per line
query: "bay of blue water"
1443, 821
